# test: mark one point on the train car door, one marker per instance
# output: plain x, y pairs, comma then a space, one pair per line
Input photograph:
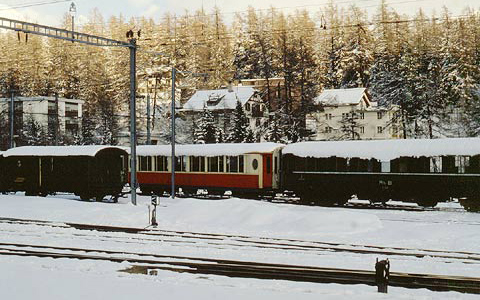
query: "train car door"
267, 170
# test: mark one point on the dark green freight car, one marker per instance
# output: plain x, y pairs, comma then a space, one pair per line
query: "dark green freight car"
87, 171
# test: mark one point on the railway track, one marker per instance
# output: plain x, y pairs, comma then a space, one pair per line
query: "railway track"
224, 241
146, 263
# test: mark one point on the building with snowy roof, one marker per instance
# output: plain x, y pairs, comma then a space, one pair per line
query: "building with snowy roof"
222, 103
348, 114
51, 113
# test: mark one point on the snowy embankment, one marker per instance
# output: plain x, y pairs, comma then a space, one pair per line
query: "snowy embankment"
232, 216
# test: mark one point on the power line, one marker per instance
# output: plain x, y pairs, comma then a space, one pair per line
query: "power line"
32, 4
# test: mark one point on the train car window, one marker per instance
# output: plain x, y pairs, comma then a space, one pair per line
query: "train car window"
341, 164
241, 164
436, 164
161, 163
255, 164
212, 164
275, 165
197, 164
220, 164
269, 165
232, 164
462, 163
180, 163
473, 165
145, 163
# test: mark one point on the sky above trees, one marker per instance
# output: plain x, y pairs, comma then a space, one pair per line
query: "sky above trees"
51, 14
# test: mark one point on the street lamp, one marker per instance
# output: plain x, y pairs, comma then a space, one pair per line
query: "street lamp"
73, 11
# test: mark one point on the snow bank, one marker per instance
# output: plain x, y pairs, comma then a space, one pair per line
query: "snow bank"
385, 150
236, 216
208, 149
265, 219
90, 150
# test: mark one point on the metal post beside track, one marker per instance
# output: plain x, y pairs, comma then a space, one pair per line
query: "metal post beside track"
173, 133
133, 122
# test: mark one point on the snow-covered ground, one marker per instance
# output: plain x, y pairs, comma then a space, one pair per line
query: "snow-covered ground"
46, 278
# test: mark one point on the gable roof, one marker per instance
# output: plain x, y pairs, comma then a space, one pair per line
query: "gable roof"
219, 99
341, 96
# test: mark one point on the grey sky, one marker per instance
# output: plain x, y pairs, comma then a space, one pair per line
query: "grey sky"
52, 13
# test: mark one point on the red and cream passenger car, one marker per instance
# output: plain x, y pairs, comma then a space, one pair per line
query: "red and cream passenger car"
241, 168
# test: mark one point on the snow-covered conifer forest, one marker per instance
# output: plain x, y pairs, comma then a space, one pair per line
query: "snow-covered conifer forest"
428, 65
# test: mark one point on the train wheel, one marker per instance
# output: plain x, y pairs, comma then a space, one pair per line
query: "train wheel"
471, 205
427, 202
84, 197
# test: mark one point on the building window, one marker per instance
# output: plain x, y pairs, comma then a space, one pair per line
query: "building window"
247, 107
379, 129
71, 110
362, 116
328, 129
328, 116
362, 129
161, 163
380, 115
394, 130
257, 122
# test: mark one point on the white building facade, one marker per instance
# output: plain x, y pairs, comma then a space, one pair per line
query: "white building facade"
48, 112
350, 114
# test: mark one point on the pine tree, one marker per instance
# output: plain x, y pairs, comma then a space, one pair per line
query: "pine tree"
239, 131
349, 126
87, 136
33, 134
206, 131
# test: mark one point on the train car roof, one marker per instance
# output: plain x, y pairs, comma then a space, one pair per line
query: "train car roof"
208, 149
385, 150
88, 150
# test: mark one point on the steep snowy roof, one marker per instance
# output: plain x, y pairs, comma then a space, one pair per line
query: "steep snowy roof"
219, 99
385, 150
340, 96
90, 150
208, 149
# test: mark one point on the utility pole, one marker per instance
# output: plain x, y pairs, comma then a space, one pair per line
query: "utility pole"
12, 117
73, 10
57, 120
149, 137
174, 71
133, 121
